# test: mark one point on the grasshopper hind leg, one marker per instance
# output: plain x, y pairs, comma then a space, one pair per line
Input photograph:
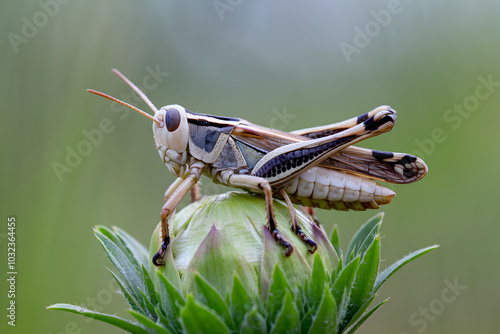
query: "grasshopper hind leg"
295, 224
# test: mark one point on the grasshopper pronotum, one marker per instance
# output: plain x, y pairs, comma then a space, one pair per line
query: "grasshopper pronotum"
315, 167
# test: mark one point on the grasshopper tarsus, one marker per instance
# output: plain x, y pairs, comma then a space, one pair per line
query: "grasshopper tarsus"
159, 257
302, 236
279, 239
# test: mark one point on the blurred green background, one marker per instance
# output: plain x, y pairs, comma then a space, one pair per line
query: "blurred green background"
285, 64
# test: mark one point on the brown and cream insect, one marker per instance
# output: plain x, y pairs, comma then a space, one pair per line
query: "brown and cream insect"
314, 167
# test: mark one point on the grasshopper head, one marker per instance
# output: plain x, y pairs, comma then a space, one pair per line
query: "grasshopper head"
172, 131
170, 128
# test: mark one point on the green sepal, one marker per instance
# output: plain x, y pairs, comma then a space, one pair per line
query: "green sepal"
206, 294
273, 255
253, 322
317, 282
217, 260
335, 240
324, 319
287, 319
344, 281
240, 302
277, 292
171, 302
197, 318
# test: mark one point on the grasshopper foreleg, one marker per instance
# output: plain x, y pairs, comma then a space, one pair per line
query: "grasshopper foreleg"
259, 184
176, 193
295, 224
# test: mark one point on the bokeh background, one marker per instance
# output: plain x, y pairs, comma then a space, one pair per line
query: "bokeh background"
285, 64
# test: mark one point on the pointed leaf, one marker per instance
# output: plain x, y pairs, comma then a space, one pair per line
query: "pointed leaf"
365, 316
389, 271
325, 318
367, 233
110, 319
295, 268
287, 320
306, 322
171, 299
196, 318
253, 323
336, 241
364, 280
128, 294
344, 325
148, 323
150, 291
317, 282
277, 293
126, 266
240, 302
328, 253
134, 247
206, 294
344, 281
217, 260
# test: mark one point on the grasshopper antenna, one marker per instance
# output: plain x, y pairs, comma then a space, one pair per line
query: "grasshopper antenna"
136, 89
125, 104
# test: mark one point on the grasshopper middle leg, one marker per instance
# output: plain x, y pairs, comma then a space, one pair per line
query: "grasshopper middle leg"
259, 184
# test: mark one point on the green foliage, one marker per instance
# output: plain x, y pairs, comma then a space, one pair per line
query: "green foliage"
221, 292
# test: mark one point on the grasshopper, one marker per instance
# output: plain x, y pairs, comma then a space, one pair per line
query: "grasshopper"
315, 167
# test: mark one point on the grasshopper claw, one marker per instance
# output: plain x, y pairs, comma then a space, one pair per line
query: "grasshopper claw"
158, 258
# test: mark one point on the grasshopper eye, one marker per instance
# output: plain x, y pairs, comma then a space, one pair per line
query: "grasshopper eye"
172, 119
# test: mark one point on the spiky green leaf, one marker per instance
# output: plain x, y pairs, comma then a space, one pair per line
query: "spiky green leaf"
197, 318
272, 256
364, 280
240, 302
277, 292
287, 319
253, 322
365, 316
206, 294
344, 281
148, 323
364, 236
335, 240
389, 271
110, 319
171, 301
326, 316
317, 282
217, 260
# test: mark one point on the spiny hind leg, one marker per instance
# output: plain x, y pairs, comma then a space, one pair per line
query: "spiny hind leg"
295, 224
259, 184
